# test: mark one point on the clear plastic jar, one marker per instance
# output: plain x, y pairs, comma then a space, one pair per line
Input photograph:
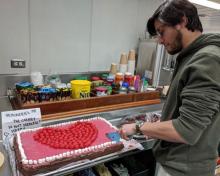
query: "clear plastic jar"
119, 78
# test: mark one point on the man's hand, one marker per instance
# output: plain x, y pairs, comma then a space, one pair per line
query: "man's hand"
127, 130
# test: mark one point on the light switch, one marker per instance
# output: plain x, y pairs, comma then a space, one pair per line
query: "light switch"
17, 63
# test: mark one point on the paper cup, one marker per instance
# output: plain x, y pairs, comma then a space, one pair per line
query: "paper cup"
123, 59
131, 55
113, 68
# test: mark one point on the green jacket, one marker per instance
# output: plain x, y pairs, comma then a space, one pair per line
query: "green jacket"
193, 104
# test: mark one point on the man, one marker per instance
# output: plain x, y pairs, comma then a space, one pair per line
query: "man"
189, 132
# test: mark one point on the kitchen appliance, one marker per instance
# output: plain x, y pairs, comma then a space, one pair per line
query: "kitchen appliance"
154, 63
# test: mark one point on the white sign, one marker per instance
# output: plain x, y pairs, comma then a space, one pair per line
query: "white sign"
13, 121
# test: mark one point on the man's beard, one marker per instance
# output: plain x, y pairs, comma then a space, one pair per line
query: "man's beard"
177, 45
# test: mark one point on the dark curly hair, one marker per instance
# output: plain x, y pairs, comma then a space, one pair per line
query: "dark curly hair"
171, 12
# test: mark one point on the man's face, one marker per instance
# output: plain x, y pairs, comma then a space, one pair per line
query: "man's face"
169, 36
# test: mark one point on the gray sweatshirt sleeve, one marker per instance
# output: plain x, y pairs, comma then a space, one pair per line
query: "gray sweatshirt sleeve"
200, 97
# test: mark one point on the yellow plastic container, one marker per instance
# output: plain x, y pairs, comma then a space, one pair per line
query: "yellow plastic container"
80, 88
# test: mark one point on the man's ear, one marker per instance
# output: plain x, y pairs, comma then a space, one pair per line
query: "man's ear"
182, 24
184, 21
178, 27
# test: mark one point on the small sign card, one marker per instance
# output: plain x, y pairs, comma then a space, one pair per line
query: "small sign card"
13, 121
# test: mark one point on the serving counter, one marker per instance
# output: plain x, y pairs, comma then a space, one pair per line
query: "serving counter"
113, 117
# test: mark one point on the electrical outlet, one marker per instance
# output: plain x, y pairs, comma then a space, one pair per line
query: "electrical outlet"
17, 63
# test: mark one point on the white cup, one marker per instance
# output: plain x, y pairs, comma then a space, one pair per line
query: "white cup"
37, 78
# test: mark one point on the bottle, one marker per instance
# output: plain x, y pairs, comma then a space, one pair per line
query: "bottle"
137, 83
144, 85
101, 91
123, 90
119, 78
128, 78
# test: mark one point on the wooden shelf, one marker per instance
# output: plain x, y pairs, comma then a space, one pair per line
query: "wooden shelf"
64, 108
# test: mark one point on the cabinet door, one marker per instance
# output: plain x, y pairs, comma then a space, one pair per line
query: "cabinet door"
60, 35
14, 36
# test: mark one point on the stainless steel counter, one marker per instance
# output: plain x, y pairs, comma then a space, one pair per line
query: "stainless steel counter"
5, 170
5, 105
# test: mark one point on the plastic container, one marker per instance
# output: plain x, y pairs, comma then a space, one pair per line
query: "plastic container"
104, 76
123, 90
119, 78
95, 78
125, 84
110, 79
53, 79
80, 88
101, 91
109, 90
81, 77
97, 83
37, 78
129, 78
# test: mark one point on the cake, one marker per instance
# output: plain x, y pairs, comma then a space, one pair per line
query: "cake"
45, 149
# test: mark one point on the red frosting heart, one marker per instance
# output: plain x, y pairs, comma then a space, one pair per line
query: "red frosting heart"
75, 136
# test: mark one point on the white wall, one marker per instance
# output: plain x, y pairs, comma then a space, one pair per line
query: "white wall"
67, 36
60, 35
211, 25
14, 34
114, 30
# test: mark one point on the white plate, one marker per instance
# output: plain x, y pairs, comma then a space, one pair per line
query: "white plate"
1, 159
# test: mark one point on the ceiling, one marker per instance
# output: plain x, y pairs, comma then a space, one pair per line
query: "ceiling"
209, 17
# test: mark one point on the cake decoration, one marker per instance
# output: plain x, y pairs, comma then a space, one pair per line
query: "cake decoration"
76, 136
47, 148
114, 136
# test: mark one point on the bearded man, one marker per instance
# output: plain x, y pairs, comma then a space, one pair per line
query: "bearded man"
189, 132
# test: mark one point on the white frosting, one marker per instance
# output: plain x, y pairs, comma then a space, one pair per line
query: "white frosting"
68, 153
65, 154
40, 161
24, 161
47, 159
30, 162
76, 152
23, 156
54, 158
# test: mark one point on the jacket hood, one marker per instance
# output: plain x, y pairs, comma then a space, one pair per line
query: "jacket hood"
201, 42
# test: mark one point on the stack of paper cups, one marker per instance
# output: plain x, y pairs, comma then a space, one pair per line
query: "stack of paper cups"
113, 69
37, 78
131, 61
123, 63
